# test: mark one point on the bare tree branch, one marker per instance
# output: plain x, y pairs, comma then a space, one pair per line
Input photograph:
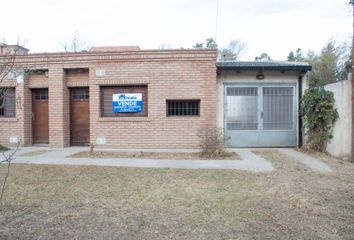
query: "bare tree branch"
233, 51
8, 79
75, 44
7, 160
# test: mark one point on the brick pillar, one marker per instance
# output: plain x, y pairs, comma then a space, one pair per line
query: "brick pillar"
26, 105
94, 109
58, 108
18, 130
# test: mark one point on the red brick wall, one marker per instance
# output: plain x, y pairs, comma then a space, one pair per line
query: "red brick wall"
169, 80
77, 77
169, 74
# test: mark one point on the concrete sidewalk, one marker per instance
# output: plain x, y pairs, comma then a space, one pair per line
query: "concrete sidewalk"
313, 163
249, 162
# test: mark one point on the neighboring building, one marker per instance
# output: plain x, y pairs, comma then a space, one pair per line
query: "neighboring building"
67, 98
12, 49
130, 98
258, 103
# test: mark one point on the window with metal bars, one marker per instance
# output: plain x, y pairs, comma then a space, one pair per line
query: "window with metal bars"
183, 107
7, 102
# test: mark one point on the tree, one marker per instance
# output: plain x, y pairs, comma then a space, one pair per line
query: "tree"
263, 57
296, 57
233, 51
5, 162
9, 74
331, 65
198, 45
75, 44
211, 43
230, 53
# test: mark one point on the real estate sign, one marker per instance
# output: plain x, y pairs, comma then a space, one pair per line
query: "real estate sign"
127, 102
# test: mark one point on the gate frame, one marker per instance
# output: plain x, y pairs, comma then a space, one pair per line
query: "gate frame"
259, 85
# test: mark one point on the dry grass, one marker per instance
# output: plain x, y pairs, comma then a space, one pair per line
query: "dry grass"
71, 202
151, 155
320, 205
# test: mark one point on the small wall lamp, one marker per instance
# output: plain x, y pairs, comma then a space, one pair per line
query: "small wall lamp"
260, 76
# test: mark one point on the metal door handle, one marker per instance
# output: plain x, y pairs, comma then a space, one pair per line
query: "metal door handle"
261, 114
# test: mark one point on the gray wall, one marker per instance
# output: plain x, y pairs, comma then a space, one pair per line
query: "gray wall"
340, 146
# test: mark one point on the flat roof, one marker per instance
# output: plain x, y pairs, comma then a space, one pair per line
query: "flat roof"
263, 66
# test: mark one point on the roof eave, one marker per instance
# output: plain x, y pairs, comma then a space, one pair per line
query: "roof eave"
302, 69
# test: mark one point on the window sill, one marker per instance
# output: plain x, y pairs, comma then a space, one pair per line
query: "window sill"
8, 119
183, 116
192, 118
124, 119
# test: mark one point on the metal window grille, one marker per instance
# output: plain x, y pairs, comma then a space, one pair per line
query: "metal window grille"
7, 103
278, 108
242, 108
183, 107
2, 104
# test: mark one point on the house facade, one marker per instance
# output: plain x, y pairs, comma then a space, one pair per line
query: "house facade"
66, 98
129, 98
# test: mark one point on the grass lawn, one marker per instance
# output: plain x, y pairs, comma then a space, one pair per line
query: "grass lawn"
71, 202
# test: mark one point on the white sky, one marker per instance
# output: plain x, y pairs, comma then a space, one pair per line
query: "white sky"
272, 26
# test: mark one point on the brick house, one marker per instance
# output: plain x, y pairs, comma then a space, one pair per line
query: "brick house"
130, 98
66, 98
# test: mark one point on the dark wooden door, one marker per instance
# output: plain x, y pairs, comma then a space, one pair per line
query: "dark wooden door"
79, 117
40, 116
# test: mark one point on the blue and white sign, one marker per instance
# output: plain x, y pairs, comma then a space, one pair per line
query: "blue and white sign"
127, 102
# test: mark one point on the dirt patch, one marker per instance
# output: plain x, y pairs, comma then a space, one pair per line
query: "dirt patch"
151, 155
91, 202
34, 153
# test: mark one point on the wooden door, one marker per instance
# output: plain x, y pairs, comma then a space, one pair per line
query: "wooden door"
79, 117
40, 116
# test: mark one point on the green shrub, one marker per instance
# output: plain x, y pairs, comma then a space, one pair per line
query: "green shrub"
319, 115
3, 148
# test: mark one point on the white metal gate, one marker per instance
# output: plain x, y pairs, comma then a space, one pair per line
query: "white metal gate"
262, 115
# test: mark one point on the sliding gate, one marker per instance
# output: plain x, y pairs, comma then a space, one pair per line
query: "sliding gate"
262, 115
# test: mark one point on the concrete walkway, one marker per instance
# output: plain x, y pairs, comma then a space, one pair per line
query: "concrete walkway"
313, 163
249, 162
